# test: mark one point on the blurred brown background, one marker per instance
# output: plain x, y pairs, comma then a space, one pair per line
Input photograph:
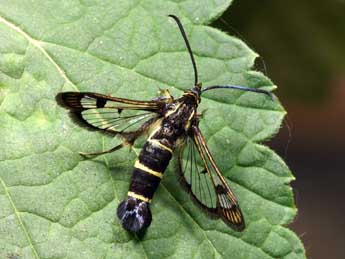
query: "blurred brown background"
302, 44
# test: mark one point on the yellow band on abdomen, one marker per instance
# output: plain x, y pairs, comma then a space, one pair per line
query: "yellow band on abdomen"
156, 142
147, 170
138, 196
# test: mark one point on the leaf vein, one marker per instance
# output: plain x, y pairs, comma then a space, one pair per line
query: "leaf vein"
196, 223
16, 212
38, 45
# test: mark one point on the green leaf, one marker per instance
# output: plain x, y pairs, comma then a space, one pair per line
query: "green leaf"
55, 204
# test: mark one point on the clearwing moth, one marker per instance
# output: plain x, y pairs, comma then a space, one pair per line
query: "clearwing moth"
173, 126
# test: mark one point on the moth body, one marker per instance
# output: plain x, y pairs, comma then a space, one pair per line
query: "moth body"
134, 212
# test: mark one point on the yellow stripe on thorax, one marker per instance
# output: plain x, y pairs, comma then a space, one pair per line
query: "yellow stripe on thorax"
186, 127
138, 196
147, 170
156, 142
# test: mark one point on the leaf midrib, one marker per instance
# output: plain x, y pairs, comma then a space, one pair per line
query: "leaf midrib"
37, 44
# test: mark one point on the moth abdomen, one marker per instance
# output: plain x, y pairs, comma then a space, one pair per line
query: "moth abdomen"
134, 214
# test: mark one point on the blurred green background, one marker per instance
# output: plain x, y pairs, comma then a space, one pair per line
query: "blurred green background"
302, 49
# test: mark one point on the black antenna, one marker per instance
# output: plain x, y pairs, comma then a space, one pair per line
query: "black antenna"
177, 20
238, 87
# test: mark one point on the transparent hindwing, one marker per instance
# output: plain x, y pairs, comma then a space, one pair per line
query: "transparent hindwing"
201, 177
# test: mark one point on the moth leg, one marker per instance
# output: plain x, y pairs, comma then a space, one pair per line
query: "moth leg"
104, 152
165, 96
166, 93
201, 114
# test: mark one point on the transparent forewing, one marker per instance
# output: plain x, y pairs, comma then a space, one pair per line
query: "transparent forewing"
110, 114
195, 177
202, 178
111, 120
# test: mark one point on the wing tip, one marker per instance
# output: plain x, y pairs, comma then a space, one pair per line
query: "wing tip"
238, 227
235, 221
69, 100
59, 98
